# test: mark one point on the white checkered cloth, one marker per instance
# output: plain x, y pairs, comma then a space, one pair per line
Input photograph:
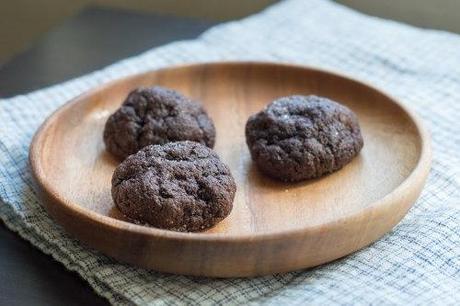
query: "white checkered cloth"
417, 263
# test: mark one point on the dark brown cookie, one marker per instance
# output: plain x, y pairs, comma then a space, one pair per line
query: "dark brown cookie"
303, 137
181, 186
156, 115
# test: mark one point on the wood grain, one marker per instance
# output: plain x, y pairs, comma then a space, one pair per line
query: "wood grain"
274, 227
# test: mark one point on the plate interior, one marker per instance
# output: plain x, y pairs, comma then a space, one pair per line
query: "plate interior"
80, 170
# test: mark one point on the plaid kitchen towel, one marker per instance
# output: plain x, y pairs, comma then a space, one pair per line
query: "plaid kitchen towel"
417, 263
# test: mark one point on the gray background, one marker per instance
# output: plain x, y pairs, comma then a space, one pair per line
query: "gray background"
22, 22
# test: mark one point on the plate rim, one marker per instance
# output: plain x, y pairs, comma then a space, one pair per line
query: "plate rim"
421, 168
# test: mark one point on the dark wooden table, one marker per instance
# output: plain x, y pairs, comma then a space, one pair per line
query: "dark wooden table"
91, 40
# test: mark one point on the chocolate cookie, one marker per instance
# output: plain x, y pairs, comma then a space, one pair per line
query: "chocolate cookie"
303, 137
156, 115
181, 186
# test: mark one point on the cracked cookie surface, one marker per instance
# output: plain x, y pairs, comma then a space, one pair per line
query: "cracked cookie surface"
181, 186
156, 115
303, 137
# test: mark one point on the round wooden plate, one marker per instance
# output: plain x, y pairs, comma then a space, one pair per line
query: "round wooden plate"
274, 227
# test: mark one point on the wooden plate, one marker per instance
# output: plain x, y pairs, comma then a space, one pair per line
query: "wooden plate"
274, 227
